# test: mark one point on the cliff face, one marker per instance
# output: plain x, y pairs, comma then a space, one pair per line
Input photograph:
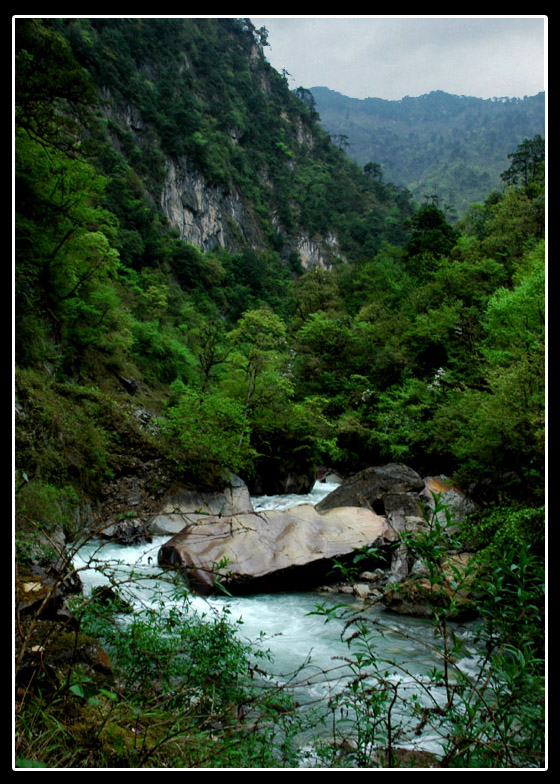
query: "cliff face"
229, 155
245, 162
213, 216
206, 215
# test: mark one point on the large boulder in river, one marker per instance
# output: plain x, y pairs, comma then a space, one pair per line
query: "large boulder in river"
368, 488
276, 549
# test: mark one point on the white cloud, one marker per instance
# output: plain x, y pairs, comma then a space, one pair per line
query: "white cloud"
390, 57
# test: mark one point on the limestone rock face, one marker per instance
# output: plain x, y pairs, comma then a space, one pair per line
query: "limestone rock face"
276, 549
214, 216
208, 216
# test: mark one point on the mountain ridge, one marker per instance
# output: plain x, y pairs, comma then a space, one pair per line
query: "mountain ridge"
451, 147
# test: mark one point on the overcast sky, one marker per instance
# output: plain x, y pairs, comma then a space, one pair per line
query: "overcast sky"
390, 57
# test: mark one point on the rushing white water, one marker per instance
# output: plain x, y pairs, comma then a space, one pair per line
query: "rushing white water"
307, 653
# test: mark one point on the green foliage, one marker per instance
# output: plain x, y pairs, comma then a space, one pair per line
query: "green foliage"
65, 252
183, 691
161, 354
432, 238
503, 422
55, 97
488, 716
64, 436
511, 572
211, 430
163, 648
527, 163
42, 510
402, 419
506, 527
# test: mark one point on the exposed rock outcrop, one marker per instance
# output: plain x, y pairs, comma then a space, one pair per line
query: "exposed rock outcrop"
205, 215
210, 215
458, 504
217, 216
129, 531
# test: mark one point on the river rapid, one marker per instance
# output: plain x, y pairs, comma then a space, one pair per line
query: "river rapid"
308, 654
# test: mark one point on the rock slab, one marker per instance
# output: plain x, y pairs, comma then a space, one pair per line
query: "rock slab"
277, 549
184, 507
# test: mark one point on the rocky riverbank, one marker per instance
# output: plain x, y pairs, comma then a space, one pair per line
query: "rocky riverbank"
372, 512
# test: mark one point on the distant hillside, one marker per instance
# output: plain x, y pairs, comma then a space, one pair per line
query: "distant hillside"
451, 146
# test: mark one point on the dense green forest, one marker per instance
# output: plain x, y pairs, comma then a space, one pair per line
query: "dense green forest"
451, 147
137, 352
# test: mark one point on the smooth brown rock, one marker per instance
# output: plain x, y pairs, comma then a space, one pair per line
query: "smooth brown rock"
273, 549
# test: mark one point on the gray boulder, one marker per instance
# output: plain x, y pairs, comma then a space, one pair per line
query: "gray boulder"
129, 531
184, 507
369, 487
458, 504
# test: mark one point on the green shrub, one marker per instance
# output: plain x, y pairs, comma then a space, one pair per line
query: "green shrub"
484, 708
42, 508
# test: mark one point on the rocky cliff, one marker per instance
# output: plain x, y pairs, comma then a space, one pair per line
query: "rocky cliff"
216, 215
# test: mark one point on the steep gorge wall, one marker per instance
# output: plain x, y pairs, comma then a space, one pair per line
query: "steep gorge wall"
215, 216
211, 216
205, 215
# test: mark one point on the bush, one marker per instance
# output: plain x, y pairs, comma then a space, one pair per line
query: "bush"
212, 430
42, 510
179, 689
483, 707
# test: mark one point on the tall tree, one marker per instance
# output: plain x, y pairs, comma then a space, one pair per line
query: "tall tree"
432, 239
527, 163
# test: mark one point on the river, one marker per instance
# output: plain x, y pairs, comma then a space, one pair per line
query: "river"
307, 652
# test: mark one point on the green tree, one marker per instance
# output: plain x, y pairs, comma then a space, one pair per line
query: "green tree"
210, 350
432, 238
496, 429
374, 171
261, 337
527, 163
212, 431
65, 239
515, 223
54, 96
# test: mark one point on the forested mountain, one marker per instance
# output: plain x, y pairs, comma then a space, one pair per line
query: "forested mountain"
453, 147
206, 284
168, 182
360, 361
